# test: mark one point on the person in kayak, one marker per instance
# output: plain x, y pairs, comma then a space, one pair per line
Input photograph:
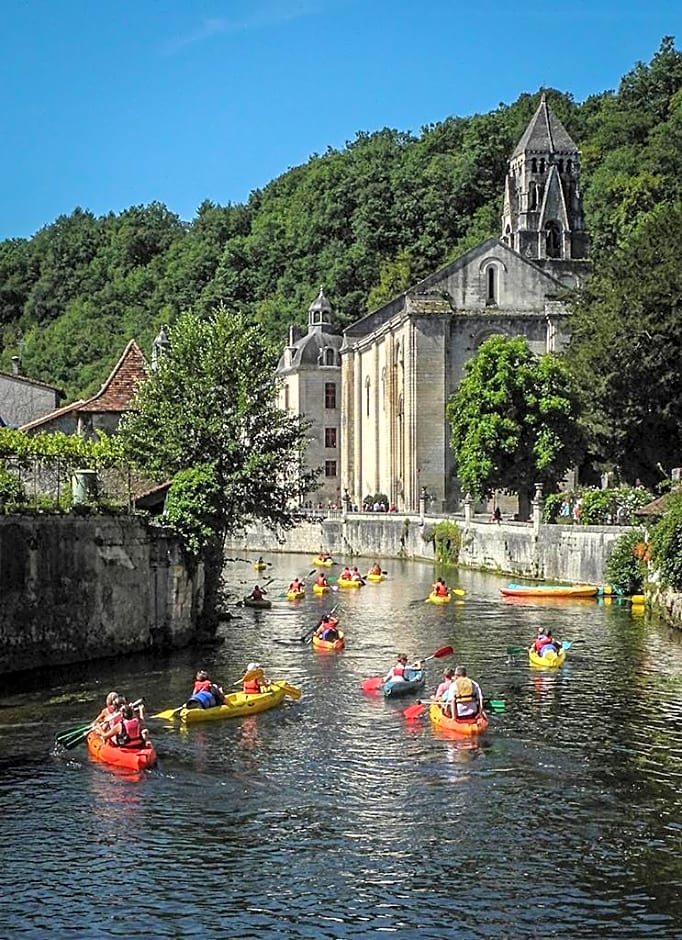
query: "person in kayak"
356, 576
109, 708
128, 731
375, 569
206, 693
463, 697
258, 593
324, 556
346, 574
401, 670
322, 580
448, 676
298, 584
254, 681
327, 628
545, 644
440, 588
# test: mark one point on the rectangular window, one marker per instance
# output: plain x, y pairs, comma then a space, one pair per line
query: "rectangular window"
330, 394
330, 468
330, 437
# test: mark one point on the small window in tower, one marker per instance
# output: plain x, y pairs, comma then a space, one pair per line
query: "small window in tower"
330, 468
490, 294
553, 236
368, 389
286, 397
569, 166
329, 357
561, 166
330, 437
330, 394
533, 197
533, 165
542, 165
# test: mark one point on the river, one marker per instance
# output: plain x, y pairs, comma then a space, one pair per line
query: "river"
333, 816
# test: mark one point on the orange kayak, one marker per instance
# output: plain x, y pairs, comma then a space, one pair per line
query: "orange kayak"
458, 725
133, 758
337, 644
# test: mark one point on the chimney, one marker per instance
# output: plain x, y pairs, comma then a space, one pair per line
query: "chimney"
16, 365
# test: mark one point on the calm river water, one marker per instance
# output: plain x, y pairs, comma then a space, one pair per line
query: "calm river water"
334, 817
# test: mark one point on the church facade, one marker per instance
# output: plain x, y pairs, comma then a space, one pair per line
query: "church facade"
402, 362
376, 396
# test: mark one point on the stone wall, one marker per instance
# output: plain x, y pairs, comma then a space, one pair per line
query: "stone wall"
79, 588
543, 552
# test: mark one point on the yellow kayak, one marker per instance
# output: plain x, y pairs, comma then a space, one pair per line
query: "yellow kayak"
348, 583
550, 661
295, 595
375, 577
320, 588
434, 598
320, 563
238, 704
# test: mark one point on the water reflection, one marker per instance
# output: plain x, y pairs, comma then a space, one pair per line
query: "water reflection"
334, 816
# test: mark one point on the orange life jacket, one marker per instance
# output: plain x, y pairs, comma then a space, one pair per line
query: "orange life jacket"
201, 685
251, 687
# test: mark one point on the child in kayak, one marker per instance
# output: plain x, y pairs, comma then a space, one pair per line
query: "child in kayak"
253, 680
206, 693
327, 628
440, 588
401, 670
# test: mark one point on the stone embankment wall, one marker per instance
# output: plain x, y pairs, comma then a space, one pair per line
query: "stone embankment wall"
523, 550
79, 588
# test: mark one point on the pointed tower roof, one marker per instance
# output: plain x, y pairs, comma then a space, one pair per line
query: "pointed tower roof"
545, 133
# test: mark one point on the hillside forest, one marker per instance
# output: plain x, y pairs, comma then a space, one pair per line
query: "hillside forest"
369, 220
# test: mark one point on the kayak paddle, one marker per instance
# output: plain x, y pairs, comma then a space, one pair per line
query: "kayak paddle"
418, 709
71, 732
374, 683
69, 741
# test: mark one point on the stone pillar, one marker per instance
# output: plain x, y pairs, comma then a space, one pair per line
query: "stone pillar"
468, 509
538, 505
423, 497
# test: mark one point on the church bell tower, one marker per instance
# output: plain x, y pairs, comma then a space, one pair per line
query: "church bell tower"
542, 217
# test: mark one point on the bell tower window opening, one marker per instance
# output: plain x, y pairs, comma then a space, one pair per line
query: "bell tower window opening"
329, 357
553, 239
491, 285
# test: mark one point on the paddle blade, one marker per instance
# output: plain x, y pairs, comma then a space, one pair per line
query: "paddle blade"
458, 591
291, 691
495, 704
373, 684
169, 713
443, 651
414, 711
515, 650
76, 740
71, 732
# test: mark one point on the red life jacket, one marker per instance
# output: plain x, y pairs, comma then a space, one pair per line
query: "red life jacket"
201, 685
441, 590
398, 671
130, 734
251, 687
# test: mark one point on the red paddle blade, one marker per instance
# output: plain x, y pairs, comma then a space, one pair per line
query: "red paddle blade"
443, 651
373, 684
414, 711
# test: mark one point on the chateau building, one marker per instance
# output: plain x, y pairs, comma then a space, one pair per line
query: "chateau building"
402, 362
377, 395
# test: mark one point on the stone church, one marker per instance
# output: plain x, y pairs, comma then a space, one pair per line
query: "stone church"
399, 365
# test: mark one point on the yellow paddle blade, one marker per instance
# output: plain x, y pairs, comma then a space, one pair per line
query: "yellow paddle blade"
290, 690
169, 713
458, 591
249, 676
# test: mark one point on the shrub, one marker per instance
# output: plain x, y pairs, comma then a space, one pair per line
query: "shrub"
447, 539
666, 544
626, 569
12, 493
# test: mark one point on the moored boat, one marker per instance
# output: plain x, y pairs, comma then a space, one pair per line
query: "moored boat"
337, 644
397, 688
132, 758
549, 590
464, 726
238, 704
261, 603
548, 661
348, 583
434, 598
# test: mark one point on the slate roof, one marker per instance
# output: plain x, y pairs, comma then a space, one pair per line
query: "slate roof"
545, 134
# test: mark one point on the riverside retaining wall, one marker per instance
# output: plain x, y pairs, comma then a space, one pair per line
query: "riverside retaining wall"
79, 588
524, 550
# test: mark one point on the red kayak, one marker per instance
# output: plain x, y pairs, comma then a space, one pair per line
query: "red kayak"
132, 758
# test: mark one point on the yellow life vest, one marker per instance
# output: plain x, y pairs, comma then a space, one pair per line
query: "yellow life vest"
464, 689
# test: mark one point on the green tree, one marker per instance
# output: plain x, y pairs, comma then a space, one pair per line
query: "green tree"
211, 408
513, 420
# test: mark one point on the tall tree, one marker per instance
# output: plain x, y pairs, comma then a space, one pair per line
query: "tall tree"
625, 351
513, 420
209, 415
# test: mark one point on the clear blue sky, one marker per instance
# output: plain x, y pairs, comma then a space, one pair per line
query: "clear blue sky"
113, 103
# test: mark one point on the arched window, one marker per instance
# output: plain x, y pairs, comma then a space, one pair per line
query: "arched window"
532, 197
542, 165
491, 285
569, 166
329, 357
553, 239
533, 165
368, 389
561, 166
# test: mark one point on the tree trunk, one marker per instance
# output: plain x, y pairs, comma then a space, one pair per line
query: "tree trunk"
525, 498
214, 561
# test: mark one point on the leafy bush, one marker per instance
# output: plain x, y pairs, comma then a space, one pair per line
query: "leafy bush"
12, 493
666, 544
613, 506
626, 569
190, 507
377, 498
447, 541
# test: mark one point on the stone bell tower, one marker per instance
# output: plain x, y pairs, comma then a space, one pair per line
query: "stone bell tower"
542, 217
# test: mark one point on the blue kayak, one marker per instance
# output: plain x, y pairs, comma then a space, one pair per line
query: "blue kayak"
396, 688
